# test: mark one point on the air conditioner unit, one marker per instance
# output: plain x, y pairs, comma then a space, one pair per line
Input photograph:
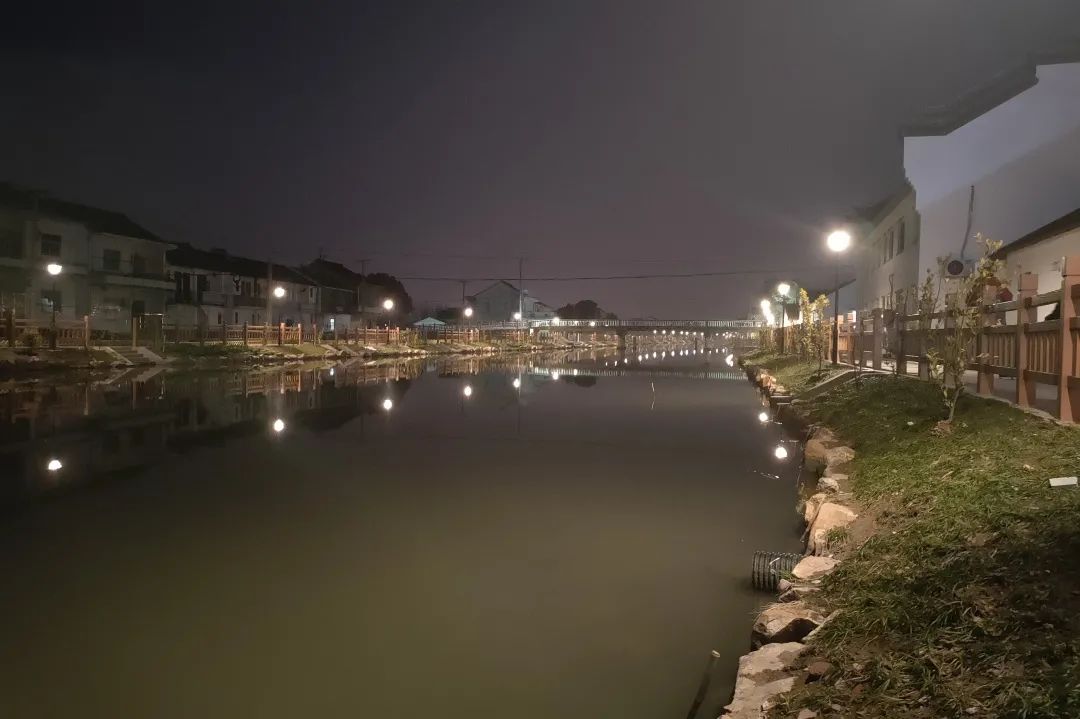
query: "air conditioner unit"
956, 268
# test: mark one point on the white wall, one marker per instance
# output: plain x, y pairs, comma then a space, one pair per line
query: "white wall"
1043, 259
1023, 157
876, 278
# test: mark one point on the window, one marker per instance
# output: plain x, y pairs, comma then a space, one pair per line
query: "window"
900, 238
110, 260
889, 245
53, 299
138, 265
236, 318
138, 308
50, 245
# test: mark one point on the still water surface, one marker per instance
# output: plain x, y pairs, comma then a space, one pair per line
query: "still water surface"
573, 547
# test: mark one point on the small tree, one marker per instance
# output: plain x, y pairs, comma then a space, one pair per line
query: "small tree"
819, 329
803, 330
962, 311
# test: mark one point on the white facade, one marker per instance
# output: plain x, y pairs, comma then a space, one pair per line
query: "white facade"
1013, 169
108, 277
886, 255
1042, 253
499, 303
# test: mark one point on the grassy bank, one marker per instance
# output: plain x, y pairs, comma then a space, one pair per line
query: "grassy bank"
966, 599
791, 371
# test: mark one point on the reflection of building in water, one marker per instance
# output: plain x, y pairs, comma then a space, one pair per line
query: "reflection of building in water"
94, 430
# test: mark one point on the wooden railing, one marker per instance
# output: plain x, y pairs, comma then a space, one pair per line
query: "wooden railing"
1010, 341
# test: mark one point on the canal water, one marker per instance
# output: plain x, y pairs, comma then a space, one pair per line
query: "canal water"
546, 536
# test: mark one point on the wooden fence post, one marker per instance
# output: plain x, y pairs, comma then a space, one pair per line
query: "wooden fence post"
9, 327
281, 333
879, 337
86, 332
1027, 287
243, 334
224, 333
1068, 386
134, 332
900, 329
984, 385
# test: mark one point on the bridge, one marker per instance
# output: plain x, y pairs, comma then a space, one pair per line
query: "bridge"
667, 327
560, 371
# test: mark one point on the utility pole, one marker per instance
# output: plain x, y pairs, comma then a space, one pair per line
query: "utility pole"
269, 292
521, 298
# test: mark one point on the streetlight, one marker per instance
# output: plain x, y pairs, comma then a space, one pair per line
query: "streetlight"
279, 292
54, 465
838, 241
54, 269
517, 317
388, 304
468, 312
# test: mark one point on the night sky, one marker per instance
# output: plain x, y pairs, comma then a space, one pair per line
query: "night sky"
592, 137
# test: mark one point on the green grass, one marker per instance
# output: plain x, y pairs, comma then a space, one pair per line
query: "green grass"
791, 371
968, 596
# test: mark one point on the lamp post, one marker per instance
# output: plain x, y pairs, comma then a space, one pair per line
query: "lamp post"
838, 241
54, 269
782, 290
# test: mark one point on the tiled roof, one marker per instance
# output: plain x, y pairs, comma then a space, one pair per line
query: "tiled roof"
95, 218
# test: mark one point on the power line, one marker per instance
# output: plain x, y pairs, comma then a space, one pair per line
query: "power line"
651, 276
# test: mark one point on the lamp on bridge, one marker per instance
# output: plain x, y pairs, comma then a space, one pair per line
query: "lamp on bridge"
838, 241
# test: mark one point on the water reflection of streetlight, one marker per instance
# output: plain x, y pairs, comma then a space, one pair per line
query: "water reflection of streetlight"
516, 383
555, 376
763, 417
467, 391
780, 452
388, 404
54, 465
278, 425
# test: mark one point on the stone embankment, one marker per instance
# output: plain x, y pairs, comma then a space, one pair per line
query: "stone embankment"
783, 634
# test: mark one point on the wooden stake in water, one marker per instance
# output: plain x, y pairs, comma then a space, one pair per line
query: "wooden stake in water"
703, 688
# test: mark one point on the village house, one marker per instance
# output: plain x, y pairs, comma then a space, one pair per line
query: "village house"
216, 287
885, 251
1042, 253
499, 302
1001, 162
78, 261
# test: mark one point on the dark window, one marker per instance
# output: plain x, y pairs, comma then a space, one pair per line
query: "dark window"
110, 260
138, 308
138, 265
900, 236
50, 245
11, 243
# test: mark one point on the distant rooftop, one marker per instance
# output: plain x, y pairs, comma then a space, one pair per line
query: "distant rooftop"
95, 218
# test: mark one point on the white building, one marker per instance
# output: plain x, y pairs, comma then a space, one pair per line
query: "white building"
1042, 251
500, 301
111, 268
215, 287
885, 253
1002, 162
